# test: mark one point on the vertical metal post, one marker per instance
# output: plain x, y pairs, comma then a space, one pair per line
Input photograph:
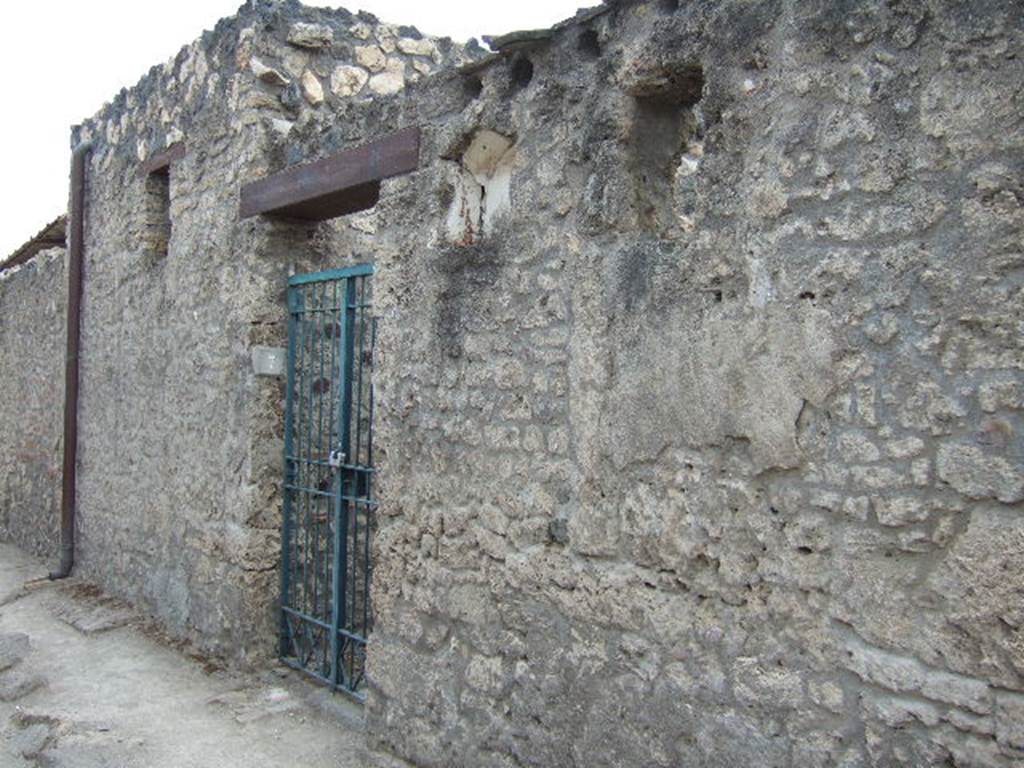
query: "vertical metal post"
76, 257
289, 471
317, 449
338, 617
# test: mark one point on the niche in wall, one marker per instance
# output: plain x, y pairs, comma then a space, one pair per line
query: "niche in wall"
156, 207
483, 190
665, 120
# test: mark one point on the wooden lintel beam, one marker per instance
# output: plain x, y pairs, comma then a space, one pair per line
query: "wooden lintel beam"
161, 161
342, 183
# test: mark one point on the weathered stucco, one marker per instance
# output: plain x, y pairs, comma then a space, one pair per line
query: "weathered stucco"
698, 383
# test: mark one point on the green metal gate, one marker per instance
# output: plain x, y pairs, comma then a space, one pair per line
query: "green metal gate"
328, 477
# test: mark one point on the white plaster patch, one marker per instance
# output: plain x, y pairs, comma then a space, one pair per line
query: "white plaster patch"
483, 192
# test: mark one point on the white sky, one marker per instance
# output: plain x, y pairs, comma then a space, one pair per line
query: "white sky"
63, 59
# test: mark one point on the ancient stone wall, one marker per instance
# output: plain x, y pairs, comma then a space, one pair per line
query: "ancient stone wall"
698, 383
181, 453
699, 393
32, 317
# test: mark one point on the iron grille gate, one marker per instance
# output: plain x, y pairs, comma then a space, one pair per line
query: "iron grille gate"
328, 477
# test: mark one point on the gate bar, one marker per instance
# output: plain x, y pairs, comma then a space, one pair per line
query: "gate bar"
331, 274
341, 506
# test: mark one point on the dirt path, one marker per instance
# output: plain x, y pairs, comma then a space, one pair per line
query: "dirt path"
82, 686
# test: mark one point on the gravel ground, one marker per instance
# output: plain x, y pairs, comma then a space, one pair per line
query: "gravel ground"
84, 683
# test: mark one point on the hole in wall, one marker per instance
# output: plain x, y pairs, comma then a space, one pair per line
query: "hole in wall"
156, 208
669, 6
588, 43
664, 124
482, 192
472, 87
522, 73
685, 85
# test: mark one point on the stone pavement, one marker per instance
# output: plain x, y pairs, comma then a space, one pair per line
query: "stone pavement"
85, 683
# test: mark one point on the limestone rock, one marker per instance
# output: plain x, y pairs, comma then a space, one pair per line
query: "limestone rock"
305, 35
312, 89
391, 80
371, 57
980, 475
1001, 394
347, 80
965, 721
900, 510
421, 47
759, 683
1010, 720
282, 127
961, 691
266, 73
827, 694
896, 711
888, 670
980, 580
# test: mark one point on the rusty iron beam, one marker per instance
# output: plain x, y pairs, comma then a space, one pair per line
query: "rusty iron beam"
343, 183
161, 161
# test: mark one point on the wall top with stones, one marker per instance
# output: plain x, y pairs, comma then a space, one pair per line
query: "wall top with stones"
274, 62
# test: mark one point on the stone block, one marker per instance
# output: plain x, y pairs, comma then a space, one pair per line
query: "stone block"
889, 670
312, 89
979, 474
1009, 716
371, 57
347, 80
305, 35
421, 47
966, 692
766, 684
901, 510
390, 80
266, 73
897, 711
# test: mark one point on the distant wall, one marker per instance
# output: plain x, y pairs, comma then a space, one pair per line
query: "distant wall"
32, 340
